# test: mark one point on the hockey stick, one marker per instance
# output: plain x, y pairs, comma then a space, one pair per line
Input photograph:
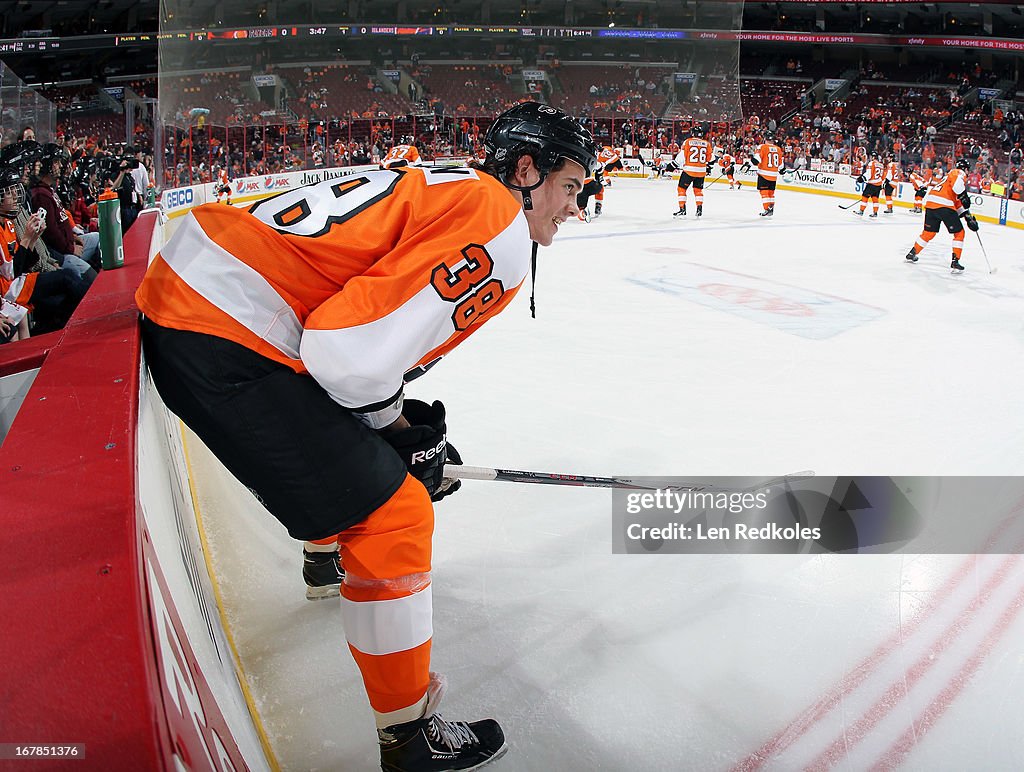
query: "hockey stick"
984, 254
857, 201
585, 481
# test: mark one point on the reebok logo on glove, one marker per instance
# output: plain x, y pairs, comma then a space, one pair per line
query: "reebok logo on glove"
425, 455
424, 447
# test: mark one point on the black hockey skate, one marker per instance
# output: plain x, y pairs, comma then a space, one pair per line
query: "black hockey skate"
955, 266
769, 212
431, 744
681, 212
597, 209
888, 210
911, 256
873, 216
700, 209
322, 573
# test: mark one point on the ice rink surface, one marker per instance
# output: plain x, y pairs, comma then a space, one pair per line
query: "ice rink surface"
729, 345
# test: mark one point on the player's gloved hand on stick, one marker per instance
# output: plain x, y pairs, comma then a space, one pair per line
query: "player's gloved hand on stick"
861, 179
745, 167
965, 199
424, 448
709, 167
972, 221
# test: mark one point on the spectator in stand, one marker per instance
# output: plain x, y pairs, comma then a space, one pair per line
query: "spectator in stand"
81, 253
24, 156
52, 295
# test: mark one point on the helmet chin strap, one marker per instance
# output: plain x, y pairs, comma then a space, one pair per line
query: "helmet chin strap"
527, 206
526, 190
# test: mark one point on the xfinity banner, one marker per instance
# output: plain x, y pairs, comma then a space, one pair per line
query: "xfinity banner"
807, 514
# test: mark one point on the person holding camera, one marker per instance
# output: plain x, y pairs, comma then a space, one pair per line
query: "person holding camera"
132, 183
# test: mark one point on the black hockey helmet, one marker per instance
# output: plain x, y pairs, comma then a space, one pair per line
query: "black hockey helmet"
962, 163
546, 134
698, 130
12, 192
51, 152
20, 154
768, 135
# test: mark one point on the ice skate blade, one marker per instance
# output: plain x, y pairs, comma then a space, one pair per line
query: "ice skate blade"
323, 593
497, 755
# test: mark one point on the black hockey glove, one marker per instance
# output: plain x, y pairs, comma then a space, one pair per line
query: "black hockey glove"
709, 167
745, 167
861, 180
965, 199
972, 222
424, 447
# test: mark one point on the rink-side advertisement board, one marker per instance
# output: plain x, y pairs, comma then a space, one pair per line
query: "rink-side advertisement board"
128, 660
207, 712
178, 201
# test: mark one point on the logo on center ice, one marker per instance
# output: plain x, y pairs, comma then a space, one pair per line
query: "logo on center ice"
794, 310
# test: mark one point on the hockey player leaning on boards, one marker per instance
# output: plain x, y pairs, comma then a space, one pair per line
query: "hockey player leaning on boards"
326, 300
945, 204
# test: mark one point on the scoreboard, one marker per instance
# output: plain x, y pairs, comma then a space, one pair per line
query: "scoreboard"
337, 31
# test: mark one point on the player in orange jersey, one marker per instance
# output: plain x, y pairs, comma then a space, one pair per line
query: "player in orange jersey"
767, 157
728, 166
221, 184
592, 185
692, 161
283, 336
872, 178
609, 161
893, 175
946, 204
919, 180
400, 155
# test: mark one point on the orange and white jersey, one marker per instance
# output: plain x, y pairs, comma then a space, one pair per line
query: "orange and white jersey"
768, 160
918, 179
222, 177
725, 160
607, 157
945, 195
893, 173
693, 156
15, 289
363, 281
400, 155
937, 178
874, 173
